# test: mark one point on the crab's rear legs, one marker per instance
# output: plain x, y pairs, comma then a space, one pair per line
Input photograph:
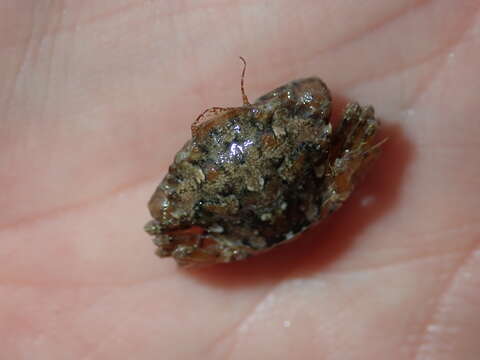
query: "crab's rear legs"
353, 149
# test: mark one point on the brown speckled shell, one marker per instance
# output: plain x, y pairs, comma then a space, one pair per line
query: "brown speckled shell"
255, 176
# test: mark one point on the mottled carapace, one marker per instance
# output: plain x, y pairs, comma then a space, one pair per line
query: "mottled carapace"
255, 176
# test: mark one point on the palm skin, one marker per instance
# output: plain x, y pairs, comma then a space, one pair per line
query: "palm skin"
96, 97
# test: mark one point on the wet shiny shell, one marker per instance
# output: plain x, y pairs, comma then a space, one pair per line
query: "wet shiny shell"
255, 176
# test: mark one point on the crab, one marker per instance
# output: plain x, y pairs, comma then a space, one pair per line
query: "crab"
256, 176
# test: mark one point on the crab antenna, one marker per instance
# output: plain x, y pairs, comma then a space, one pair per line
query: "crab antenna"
244, 96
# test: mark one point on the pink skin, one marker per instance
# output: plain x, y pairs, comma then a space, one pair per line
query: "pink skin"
96, 96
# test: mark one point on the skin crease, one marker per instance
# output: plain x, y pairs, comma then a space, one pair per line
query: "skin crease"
95, 99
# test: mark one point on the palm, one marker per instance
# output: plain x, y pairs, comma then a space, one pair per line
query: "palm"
96, 99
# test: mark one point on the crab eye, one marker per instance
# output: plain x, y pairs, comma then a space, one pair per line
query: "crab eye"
160, 206
153, 228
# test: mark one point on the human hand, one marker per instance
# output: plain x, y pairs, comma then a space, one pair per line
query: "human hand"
97, 97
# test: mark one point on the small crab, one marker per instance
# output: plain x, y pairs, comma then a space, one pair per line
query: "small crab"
256, 176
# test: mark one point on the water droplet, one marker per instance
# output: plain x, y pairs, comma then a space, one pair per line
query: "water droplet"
367, 200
